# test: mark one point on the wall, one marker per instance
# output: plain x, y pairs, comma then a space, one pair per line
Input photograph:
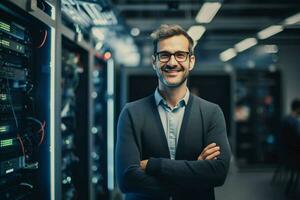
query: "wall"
289, 63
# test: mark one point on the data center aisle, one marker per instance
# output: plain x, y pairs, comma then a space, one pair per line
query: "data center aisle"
253, 184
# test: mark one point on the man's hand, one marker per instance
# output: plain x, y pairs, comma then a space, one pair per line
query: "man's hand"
210, 152
143, 164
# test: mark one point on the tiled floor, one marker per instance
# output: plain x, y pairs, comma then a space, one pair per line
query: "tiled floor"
250, 185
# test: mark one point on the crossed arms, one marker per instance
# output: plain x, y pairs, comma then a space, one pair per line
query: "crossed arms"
210, 152
162, 175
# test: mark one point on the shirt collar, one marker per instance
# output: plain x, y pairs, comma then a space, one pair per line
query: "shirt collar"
159, 98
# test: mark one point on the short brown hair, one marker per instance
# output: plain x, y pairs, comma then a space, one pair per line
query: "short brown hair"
166, 31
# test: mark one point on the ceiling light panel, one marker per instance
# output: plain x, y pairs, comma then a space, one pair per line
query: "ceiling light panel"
196, 32
227, 54
207, 12
270, 31
245, 44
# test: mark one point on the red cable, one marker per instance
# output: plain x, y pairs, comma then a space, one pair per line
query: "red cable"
22, 145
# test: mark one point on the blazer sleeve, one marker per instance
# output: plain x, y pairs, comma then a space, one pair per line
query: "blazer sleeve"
130, 177
202, 173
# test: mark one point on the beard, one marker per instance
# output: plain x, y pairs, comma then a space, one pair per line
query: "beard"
166, 69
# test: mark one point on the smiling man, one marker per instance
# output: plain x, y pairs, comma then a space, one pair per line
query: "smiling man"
171, 144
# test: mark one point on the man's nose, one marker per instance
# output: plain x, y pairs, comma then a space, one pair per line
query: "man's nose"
172, 60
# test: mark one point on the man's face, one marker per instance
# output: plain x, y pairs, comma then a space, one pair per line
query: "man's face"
174, 72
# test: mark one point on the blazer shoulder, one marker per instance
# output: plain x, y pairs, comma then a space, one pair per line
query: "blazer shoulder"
140, 104
204, 104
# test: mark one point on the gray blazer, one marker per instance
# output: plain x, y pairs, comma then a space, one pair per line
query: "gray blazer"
141, 136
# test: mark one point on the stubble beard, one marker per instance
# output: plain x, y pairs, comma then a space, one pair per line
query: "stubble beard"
165, 83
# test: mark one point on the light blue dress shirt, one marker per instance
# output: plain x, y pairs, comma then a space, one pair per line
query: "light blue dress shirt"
171, 119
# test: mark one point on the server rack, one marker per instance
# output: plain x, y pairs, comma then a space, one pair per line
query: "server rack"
102, 129
257, 116
26, 74
74, 121
99, 129
99, 120
49, 102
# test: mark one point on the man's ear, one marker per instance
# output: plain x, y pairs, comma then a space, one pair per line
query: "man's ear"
192, 62
153, 62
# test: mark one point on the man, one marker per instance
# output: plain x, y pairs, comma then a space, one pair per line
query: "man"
172, 144
290, 130
289, 148
291, 124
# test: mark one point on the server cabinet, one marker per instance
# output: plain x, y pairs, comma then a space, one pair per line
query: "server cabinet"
87, 126
102, 132
74, 121
99, 130
257, 116
49, 149
26, 67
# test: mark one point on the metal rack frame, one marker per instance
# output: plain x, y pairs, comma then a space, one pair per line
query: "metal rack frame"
58, 30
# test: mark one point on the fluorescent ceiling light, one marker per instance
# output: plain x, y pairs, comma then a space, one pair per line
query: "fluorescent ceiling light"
270, 48
196, 32
227, 54
294, 19
207, 12
245, 44
268, 32
195, 44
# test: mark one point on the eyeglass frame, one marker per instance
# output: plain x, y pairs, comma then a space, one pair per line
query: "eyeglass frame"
188, 53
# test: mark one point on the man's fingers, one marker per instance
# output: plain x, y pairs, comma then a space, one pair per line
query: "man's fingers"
200, 157
209, 146
143, 164
212, 156
210, 151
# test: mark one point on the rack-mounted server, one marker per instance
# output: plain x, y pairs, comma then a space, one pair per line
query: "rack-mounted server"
257, 116
22, 130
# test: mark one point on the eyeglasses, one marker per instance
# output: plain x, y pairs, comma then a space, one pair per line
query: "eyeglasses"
180, 56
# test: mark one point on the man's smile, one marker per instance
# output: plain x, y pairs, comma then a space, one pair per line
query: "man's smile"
168, 69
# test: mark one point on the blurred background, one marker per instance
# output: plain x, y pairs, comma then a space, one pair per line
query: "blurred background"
68, 67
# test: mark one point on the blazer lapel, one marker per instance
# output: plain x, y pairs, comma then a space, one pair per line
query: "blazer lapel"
184, 125
160, 126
